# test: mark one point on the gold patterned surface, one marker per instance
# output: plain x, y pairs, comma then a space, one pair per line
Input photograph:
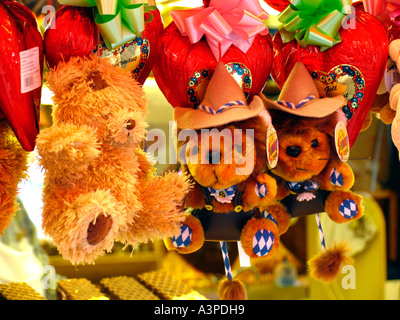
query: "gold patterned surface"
167, 287
18, 291
78, 289
126, 288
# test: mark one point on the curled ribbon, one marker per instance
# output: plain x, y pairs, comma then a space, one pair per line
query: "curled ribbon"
379, 7
119, 21
314, 22
223, 23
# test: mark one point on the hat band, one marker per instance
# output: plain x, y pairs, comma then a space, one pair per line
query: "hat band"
221, 109
296, 106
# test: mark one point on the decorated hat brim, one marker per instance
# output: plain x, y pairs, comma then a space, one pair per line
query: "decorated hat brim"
317, 108
188, 118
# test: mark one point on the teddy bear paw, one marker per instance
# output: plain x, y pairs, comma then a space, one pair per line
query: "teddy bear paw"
189, 239
344, 206
260, 237
93, 220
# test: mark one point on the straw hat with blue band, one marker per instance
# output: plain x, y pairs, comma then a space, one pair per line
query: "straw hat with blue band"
300, 96
224, 102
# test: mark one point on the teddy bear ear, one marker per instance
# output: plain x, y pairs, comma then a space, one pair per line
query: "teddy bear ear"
67, 79
77, 76
265, 115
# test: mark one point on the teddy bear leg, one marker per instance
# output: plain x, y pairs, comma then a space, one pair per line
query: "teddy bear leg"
87, 226
162, 210
344, 206
260, 237
189, 239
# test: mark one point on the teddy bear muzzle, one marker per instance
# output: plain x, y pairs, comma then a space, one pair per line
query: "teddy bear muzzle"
293, 151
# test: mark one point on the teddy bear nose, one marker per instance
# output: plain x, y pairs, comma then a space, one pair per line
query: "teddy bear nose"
293, 151
214, 157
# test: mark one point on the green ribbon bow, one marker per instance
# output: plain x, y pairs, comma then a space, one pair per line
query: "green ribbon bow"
119, 21
314, 22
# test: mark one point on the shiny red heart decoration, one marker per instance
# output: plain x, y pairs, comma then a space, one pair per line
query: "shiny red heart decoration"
278, 5
183, 69
73, 32
364, 47
21, 56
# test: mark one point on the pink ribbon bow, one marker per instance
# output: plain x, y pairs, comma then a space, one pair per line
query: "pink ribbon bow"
223, 23
384, 7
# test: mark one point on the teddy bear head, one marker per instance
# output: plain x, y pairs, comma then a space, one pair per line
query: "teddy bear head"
224, 156
91, 92
306, 145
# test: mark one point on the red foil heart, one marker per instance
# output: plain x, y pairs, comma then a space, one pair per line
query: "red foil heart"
364, 47
19, 32
184, 69
278, 5
73, 33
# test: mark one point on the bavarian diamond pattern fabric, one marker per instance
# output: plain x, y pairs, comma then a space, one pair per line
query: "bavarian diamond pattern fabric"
262, 242
336, 178
269, 216
261, 189
184, 239
348, 209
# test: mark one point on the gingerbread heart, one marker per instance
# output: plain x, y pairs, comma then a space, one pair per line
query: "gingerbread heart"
183, 69
345, 80
21, 55
73, 32
363, 49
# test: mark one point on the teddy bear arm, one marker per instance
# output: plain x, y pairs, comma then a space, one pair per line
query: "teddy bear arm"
195, 198
67, 149
146, 166
259, 192
336, 176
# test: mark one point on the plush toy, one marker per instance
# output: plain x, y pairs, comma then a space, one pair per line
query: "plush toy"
99, 185
225, 156
13, 168
310, 173
394, 52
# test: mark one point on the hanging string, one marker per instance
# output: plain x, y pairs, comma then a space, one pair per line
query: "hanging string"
227, 264
321, 232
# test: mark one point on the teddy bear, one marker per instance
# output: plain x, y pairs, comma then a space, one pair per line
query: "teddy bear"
222, 146
13, 169
311, 173
100, 186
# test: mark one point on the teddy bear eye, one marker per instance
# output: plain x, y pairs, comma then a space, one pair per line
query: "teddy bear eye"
314, 143
238, 148
195, 150
130, 124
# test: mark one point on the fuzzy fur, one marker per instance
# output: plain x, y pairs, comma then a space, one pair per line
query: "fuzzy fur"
327, 265
232, 290
13, 169
94, 166
224, 175
315, 161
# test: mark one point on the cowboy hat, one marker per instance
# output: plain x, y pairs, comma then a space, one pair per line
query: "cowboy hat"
300, 96
224, 102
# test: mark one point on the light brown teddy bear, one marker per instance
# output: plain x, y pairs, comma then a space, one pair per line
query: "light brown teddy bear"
99, 185
13, 169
